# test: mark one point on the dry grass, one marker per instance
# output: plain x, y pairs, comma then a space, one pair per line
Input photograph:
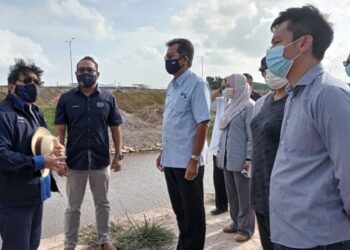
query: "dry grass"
133, 235
140, 100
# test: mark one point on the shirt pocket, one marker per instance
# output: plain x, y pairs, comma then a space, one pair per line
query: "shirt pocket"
182, 105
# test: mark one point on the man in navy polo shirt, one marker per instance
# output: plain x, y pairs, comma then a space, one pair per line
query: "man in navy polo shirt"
22, 188
86, 112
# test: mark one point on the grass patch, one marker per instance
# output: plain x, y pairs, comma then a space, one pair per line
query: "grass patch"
146, 235
2, 96
49, 114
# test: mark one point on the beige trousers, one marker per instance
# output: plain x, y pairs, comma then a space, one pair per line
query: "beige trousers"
75, 187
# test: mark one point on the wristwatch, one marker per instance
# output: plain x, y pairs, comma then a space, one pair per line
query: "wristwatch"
195, 157
119, 157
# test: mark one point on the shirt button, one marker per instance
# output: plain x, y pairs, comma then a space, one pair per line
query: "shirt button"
282, 142
88, 129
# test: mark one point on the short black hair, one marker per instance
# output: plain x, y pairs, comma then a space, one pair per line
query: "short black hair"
263, 65
22, 67
248, 76
308, 20
185, 48
89, 58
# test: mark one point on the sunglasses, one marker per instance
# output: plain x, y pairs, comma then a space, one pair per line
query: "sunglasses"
346, 63
29, 80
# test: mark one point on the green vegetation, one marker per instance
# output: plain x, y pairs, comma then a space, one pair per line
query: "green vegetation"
139, 235
140, 100
260, 87
49, 114
214, 82
2, 96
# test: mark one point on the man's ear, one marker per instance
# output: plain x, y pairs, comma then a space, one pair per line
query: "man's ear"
187, 61
306, 44
11, 88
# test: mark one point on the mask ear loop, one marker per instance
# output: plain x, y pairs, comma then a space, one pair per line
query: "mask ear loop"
295, 57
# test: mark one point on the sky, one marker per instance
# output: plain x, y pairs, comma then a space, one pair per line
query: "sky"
127, 37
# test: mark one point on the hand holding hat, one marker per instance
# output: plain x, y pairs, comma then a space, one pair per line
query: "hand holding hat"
55, 163
47, 145
59, 149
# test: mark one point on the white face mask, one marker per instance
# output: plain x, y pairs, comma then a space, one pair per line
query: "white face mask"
228, 93
273, 81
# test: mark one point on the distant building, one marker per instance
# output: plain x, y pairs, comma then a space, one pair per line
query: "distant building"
140, 86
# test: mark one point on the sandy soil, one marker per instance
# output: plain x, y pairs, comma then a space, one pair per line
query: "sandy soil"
215, 238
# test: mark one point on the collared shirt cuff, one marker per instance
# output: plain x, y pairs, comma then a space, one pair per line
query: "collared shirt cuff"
39, 162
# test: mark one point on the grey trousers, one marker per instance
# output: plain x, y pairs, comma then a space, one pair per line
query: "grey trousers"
76, 186
238, 195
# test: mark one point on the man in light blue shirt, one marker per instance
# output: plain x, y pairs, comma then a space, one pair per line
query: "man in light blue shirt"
310, 187
186, 115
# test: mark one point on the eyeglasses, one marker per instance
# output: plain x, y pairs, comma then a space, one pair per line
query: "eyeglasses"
346, 63
29, 80
89, 70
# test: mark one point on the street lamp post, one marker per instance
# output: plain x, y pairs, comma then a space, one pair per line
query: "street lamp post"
70, 56
202, 60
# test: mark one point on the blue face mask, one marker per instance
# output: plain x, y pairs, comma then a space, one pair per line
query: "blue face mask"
277, 63
87, 80
347, 70
172, 66
27, 92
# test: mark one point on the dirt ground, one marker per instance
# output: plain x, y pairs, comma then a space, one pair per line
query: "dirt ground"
215, 238
142, 130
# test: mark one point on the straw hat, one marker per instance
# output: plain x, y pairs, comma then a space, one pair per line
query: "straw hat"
43, 142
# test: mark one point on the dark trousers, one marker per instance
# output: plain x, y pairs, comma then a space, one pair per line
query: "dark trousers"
219, 186
344, 245
264, 231
187, 200
20, 227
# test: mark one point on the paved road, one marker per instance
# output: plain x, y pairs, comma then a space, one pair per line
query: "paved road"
138, 187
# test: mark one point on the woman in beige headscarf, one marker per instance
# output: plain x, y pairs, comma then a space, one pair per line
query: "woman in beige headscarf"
235, 153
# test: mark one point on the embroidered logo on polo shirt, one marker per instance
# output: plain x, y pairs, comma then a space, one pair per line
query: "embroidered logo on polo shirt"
21, 119
100, 104
76, 106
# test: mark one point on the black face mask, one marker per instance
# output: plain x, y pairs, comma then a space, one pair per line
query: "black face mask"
87, 80
172, 66
27, 92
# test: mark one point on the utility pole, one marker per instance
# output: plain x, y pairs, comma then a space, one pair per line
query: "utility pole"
202, 60
70, 56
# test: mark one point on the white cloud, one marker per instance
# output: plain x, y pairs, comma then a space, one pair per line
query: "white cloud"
235, 33
94, 24
15, 46
149, 53
215, 16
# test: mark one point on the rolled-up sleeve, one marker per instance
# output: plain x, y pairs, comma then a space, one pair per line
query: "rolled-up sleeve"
114, 118
333, 121
201, 102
